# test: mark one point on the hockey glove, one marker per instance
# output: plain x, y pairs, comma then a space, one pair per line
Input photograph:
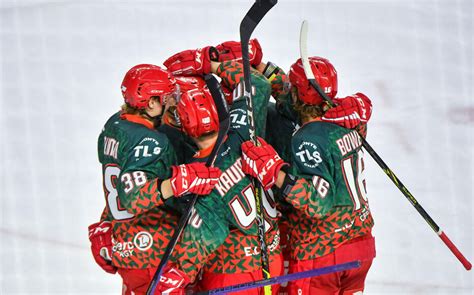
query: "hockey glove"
195, 178
350, 111
100, 235
192, 62
232, 50
172, 281
261, 162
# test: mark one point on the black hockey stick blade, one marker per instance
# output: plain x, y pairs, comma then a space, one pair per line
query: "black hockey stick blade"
224, 123
398, 183
248, 25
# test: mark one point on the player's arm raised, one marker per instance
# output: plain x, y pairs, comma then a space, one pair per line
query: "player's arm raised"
223, 60
351, 112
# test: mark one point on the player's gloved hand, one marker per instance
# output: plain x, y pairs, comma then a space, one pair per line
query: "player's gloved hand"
230, 50
172, 281
350, 111
261, 162
195, 178
192, 62
100, 235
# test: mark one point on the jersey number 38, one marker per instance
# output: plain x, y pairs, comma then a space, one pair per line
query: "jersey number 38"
129, 180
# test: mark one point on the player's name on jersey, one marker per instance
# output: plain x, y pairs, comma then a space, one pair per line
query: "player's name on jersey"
349, 142
230, 177
111, 146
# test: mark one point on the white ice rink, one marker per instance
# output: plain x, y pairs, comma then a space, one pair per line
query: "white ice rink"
62, 63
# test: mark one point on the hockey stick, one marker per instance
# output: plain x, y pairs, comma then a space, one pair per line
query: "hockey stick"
224, 123
309, 74
247, 26
284, 278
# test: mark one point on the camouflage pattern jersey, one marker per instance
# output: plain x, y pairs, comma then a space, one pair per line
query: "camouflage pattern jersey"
329, 197
135, 158
222, 236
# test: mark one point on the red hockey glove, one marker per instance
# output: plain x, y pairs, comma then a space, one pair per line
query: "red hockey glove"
172, 281
100, 235
195, 178
261, 162
350, 111
232, 50
192, 62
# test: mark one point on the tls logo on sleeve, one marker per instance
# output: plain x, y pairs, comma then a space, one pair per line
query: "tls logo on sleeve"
238, 118
146, 149
309, 155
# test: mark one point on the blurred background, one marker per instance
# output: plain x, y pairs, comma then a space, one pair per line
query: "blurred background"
62, 63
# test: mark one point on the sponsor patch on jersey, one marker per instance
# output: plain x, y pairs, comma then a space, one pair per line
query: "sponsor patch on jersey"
143, 241
124, 249
308, 154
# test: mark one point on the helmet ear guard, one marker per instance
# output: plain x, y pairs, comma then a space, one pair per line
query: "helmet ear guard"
197, 112
325, 75
144, 81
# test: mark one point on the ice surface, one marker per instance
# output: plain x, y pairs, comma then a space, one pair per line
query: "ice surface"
61, 67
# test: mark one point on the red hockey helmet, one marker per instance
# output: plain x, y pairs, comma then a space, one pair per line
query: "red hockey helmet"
325, 75
197, 112
144, 81
189, 82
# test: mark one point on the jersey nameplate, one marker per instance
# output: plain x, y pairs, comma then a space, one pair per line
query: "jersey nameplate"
111, 146
349, 142
230, 177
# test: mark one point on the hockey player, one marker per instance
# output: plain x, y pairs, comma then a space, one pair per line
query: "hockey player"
330, 221
280, 122
222, 238
170, 125
140, 179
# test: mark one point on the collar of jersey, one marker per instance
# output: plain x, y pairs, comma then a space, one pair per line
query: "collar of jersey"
137, 119
317, 119
206, 152
167, 121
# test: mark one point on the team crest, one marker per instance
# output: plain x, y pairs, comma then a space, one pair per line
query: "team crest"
308, 154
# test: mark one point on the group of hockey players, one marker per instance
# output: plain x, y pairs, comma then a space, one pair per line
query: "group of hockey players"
309, 163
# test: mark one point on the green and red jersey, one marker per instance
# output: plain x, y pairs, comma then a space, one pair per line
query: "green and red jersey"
222, 235
135, 158
329, 197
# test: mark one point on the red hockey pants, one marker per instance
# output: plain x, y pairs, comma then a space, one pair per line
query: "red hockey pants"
340, 283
